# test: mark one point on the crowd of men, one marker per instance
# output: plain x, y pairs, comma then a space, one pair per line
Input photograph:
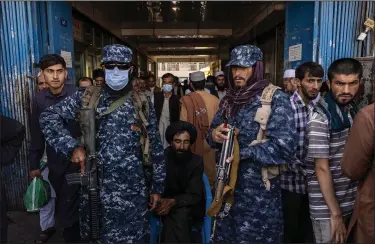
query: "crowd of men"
322, 190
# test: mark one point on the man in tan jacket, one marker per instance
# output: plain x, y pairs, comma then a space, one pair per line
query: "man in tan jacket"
358, 164
199, 108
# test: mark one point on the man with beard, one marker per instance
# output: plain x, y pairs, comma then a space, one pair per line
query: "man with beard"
123, 186
152, 84
182, 206
220, 84
297, 223
199, 108
152, 87
256, 214
41, 82
331, 193
290, 85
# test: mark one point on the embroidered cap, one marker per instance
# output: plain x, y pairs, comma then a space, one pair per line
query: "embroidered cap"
196, 76
289, 73
117, 53
245, 56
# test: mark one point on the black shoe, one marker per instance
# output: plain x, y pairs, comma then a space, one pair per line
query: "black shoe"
45, 235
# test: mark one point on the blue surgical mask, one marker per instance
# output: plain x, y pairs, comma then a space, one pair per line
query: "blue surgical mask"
167, 87
116, 79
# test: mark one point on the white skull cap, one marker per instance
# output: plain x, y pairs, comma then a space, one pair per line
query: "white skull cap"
289, 73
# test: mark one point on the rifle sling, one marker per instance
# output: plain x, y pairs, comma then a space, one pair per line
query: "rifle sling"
116, 104
228, 189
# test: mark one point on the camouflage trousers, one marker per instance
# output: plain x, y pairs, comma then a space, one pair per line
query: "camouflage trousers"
255, 217
122, 219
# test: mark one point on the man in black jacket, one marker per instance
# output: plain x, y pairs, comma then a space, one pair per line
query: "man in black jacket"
53, 68
182, 205
12, 135
167, 106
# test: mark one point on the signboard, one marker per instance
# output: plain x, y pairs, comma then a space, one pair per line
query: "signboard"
77, 30
295, 53
67, 56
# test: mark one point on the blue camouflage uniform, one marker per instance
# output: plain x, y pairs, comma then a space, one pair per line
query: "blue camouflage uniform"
256, 214
123, 190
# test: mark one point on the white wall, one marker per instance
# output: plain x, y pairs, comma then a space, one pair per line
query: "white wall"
184, 68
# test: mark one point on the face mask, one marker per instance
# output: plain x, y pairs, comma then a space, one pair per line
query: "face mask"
116, 79
167, 87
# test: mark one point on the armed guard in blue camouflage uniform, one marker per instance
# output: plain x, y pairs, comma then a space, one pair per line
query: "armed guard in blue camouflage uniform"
124, 191
255, 215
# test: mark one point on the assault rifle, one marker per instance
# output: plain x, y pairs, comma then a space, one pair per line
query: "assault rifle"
223, 169
90, 177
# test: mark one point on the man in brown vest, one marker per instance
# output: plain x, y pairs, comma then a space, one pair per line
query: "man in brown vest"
358, 163
199, 108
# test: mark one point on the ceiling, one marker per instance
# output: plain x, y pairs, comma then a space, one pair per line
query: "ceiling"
180, 28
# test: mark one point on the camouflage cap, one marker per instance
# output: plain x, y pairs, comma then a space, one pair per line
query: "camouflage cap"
117, 53
245, 56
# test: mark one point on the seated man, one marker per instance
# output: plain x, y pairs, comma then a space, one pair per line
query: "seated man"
183, 204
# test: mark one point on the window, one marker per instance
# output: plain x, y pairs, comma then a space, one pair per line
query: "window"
89, 65
193, 67
161, 66
88, 35
202, 65
78, 60
173, 66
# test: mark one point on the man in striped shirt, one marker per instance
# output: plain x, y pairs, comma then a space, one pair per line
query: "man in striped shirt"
297, 223
331, 193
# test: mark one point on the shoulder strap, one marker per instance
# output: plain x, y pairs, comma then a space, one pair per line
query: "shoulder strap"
322, 108
141, 106
117, 104
142, 110
264, 111
90, 97
267, 94
261, 116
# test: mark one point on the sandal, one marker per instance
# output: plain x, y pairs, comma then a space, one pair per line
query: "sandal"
45, 235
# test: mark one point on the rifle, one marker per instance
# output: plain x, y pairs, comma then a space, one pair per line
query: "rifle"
90, 177
223, 169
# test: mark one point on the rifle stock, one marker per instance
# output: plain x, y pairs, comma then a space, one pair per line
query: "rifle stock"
90, 177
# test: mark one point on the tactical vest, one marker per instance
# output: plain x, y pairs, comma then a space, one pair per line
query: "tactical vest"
268, 172
261, 116
90, 99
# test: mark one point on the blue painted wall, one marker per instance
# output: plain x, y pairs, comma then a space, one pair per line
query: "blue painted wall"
299, 29
59, 16
29, 30
22, 45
